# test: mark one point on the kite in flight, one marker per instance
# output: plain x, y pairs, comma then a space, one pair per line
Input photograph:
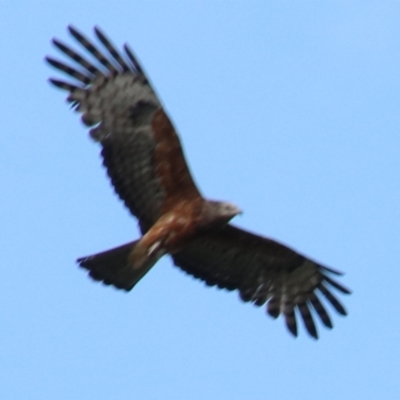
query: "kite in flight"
146, 165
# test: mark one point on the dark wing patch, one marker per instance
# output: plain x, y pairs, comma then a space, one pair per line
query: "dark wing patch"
115, 97
264, 271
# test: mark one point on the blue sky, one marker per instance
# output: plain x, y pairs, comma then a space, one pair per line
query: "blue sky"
288, 109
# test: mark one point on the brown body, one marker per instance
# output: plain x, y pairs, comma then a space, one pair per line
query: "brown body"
171, 231
145, 162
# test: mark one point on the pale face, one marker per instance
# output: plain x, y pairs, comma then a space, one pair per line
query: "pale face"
217, 213
228, 210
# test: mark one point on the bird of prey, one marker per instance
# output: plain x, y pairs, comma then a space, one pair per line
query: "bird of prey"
146, 165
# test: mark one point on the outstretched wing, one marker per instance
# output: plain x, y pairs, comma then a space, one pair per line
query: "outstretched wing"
263, 271
140, 148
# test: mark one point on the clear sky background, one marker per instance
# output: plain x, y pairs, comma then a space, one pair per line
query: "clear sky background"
289, 109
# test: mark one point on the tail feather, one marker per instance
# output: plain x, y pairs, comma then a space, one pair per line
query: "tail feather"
112, 267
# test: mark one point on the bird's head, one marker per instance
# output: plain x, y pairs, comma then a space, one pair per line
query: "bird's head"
218, 213
227, 210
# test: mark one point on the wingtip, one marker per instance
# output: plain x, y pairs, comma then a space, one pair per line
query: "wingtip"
313, 333
133, 59
293, 330
63, 85
48, 59
101, 35
332, 270
82, 261
53, 62
71, 29
56, 83
337, 285
75, 32
328, 324
97, 30
345, 290
60, 46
